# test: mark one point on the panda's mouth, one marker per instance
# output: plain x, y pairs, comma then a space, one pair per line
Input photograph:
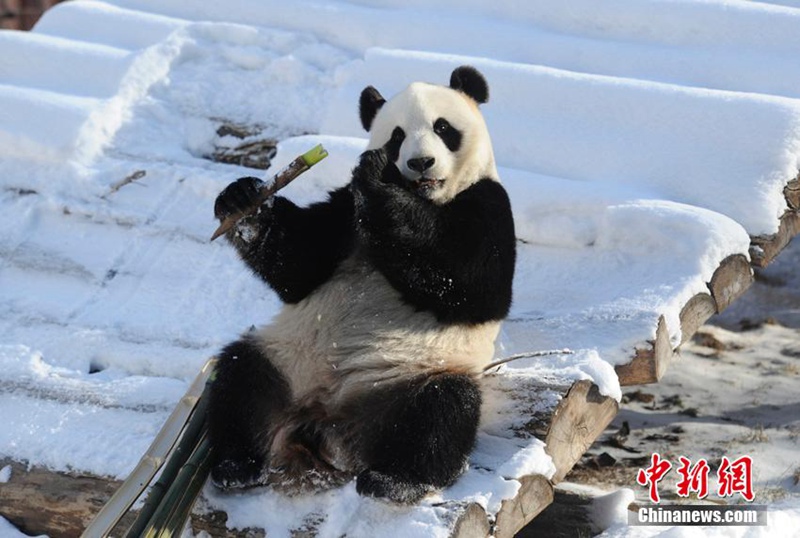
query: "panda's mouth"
425, 184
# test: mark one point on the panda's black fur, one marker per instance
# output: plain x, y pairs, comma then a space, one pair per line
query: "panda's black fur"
394, 290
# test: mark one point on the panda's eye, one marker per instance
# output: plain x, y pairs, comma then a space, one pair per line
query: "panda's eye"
441, 126
449, 134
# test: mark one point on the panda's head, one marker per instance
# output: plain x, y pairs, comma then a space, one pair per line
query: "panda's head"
434, 134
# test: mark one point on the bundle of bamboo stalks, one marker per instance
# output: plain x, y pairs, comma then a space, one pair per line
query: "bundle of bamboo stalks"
182, 449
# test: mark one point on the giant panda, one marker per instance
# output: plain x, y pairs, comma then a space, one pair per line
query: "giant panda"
393, 290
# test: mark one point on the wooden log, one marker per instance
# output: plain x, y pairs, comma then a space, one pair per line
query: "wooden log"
534, 495
764, 248
731, 279
695, 313
472, 523
578, 420
568, 516
649, 364
38, 501
792, 193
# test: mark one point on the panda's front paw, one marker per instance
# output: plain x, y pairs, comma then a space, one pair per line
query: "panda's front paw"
384, 486
375, 170
369, 170
238, 197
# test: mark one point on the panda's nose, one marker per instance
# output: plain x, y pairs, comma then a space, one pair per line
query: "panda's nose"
420, 164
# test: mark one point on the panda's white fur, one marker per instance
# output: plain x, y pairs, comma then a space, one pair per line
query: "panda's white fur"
375, 347
355, 331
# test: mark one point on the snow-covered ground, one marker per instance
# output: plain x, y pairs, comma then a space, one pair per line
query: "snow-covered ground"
642, 143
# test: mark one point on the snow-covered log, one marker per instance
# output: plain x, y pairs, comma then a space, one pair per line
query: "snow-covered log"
731, 279
766, 247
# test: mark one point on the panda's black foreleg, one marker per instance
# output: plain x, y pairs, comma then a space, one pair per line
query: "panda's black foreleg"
423, 439
245, 397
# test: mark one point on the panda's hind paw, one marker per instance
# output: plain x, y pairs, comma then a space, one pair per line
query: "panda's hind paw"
383, 486
237, 474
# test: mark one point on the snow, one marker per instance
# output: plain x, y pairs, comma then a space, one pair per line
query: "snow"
611, 509
7, 530
5, 474
642, 142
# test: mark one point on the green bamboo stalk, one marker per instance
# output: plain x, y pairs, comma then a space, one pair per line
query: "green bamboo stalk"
151, 462
182, 452
201, 463
182, 492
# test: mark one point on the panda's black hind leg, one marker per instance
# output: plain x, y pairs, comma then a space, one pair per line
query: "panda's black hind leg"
246, 395
423, 439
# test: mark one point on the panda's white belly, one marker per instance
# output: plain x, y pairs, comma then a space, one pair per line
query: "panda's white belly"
355, 331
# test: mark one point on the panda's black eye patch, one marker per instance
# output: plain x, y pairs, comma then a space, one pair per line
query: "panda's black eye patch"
394, 143
449, 134
441, 126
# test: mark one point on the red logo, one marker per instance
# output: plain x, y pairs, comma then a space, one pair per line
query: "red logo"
736, 477
693, 478
653, 475
732, 477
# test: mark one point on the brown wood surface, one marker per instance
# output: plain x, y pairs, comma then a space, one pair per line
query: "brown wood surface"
579, 419
730, 280
695, 313
40, 501
648, 364
792, 193
473, 523
534, 495
764, 248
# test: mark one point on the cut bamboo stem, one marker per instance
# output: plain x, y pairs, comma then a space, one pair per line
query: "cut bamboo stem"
170, 517
193, 431
196, 471
151, 462
279, 181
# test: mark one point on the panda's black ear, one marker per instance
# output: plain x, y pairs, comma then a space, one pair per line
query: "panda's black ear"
368, 105
469, 80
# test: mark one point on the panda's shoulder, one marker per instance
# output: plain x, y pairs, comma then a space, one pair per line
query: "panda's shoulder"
486, 192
